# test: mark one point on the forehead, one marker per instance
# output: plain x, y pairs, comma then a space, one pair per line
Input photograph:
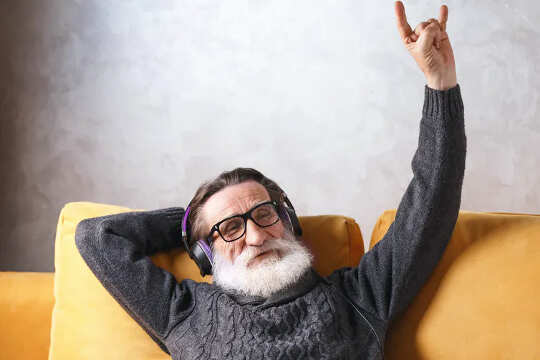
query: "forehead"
234, 199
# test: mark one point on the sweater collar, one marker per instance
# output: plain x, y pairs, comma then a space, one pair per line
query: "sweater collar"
304, 284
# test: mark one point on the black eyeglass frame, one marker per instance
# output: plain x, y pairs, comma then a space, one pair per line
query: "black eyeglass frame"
245, 216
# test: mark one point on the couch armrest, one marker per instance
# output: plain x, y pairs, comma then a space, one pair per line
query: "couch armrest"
26, 303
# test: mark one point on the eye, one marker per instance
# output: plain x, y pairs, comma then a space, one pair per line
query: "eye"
232, 226
263, 213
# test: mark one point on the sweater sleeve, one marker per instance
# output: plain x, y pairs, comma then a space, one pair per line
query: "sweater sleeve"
391, 274
117, 248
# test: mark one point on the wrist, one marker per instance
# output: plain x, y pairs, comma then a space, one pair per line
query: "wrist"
441, 83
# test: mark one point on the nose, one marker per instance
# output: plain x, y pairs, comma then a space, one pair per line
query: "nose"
255, 235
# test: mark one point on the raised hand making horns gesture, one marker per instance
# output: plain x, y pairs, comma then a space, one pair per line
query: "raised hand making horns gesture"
430, 47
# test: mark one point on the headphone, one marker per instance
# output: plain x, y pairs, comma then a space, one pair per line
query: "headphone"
201, 251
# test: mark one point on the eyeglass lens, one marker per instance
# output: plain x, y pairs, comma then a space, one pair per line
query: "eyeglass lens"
233, 228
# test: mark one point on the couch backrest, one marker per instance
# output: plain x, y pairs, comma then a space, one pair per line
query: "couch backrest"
482, 300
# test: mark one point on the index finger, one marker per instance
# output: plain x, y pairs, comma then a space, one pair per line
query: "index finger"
403, 26
443, 16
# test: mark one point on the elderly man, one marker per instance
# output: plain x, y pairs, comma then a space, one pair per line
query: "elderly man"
266, 301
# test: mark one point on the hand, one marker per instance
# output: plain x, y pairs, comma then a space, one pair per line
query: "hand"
430, 47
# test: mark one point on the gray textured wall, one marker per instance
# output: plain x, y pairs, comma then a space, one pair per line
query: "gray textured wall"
135, 103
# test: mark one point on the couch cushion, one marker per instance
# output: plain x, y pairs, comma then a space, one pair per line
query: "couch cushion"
89, 324
481, 301
26, 302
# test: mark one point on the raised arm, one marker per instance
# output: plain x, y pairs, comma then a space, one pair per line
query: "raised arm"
117, 249
392, 273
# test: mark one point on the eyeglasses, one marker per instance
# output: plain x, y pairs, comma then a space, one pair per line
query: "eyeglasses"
234, 227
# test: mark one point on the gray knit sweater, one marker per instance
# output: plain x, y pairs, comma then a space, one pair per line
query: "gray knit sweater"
312, 319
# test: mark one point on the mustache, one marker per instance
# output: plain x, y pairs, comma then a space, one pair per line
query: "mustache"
252, 252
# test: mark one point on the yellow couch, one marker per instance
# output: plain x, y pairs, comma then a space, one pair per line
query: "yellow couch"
481, 301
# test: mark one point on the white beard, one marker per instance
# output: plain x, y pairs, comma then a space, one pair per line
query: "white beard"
270, 274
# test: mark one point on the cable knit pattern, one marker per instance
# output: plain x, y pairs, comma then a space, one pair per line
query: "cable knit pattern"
313, 318
316, 325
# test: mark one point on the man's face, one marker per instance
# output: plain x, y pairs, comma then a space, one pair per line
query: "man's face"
234, 200
263, 260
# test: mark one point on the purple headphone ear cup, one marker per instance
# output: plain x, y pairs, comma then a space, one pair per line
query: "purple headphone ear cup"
284, 215
203, 257
207, 250
200, 252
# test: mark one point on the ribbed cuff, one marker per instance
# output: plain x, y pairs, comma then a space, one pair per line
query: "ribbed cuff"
437, 102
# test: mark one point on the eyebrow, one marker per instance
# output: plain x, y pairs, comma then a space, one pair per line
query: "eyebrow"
236, 214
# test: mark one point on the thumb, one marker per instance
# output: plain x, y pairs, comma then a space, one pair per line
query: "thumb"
432, 33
